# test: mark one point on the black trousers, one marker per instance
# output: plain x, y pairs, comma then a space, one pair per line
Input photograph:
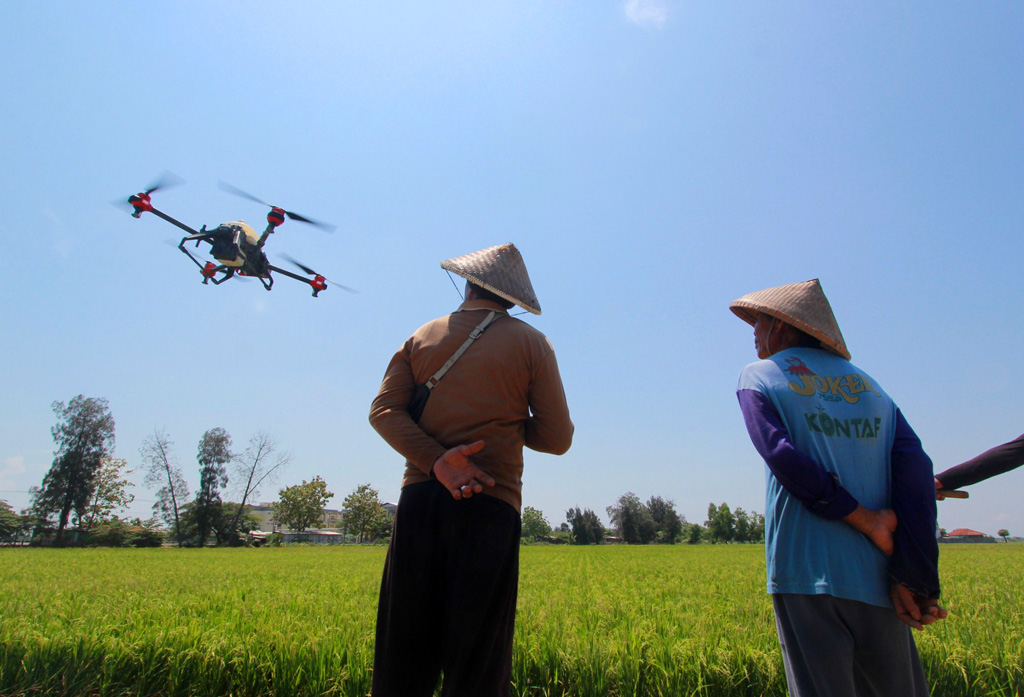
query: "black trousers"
448, 596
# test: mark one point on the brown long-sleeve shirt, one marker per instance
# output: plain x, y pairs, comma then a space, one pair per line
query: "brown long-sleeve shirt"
505, 390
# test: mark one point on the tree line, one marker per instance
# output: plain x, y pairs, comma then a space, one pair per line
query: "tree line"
636, 522
85, 487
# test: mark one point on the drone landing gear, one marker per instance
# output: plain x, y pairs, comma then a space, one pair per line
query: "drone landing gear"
209, 270
267, 281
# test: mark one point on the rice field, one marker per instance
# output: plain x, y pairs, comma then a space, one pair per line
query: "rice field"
592, 622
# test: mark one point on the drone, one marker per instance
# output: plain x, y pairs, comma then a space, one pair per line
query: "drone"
236, 246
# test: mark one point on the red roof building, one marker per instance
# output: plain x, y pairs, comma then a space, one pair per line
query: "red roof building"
966, 535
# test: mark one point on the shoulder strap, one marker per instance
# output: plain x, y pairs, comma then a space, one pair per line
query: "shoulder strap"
473, 336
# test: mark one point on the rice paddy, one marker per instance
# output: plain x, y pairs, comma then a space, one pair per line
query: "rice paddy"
592, 621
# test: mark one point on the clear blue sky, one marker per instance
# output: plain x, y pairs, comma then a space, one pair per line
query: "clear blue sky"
652, 159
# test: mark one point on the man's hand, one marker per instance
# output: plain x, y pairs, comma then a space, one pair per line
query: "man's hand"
913, 609
942, 493
879, 526
457, 472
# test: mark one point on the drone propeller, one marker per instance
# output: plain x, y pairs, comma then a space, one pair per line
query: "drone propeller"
138, 203
165, 181
313, 273
224, 186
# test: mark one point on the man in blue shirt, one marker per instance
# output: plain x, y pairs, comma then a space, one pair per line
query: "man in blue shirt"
850, 509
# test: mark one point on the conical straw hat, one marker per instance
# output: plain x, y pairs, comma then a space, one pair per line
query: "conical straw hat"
500, 270
803, 305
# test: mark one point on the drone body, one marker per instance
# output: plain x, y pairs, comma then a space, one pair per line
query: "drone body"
236, 246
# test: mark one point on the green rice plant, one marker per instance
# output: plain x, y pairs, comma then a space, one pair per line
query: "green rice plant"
592, 621
979, 649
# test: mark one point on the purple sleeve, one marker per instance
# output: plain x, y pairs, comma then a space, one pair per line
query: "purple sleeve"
915, 558
999, 459
807, 481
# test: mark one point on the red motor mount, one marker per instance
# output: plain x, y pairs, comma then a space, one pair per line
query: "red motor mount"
276, 216
141, 203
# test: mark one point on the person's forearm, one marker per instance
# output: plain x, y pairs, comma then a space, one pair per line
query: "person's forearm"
806, 480
914, 562
997, 460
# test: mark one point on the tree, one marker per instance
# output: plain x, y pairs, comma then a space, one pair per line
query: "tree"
632, 521
364, 513
234, 523
214, 454
163, 469
756, 527
146, 533
253, 468
534, 524
668, 523
1004, 533
111, 492
743, 526
84, 435
693, 533
586, 526
187, 531
302, 505
721, 524
12, 525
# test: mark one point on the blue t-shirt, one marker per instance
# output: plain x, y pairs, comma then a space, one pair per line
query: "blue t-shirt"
839, 417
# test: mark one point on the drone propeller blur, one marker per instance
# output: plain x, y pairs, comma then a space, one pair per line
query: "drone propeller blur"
236, 246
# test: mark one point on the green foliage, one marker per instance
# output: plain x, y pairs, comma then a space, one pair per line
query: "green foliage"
692, 533
586, 526
116, 532
109, 533
163, 471
110, 493
591, 622
233, 524
724, 525
186, 534
560, 537
147, 534
255, 467
213, 456
302, 505
535, 525
1004, 533
365, 517
12, 525
720, 525
667, 520
632, 520
84, 436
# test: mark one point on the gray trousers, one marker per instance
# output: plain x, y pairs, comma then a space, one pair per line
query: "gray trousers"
833, 647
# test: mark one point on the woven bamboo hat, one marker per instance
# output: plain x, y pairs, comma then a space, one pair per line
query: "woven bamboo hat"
500, 270
803, 305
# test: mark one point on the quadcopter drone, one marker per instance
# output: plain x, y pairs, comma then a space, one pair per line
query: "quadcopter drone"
236, 246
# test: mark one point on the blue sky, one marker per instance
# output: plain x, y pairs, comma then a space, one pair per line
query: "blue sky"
652, 159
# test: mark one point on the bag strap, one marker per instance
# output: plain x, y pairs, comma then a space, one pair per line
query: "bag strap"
473, 336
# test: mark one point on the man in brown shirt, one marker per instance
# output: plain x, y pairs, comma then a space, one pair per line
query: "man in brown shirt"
448, 595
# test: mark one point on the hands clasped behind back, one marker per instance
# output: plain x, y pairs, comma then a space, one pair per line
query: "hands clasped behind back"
456, 471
